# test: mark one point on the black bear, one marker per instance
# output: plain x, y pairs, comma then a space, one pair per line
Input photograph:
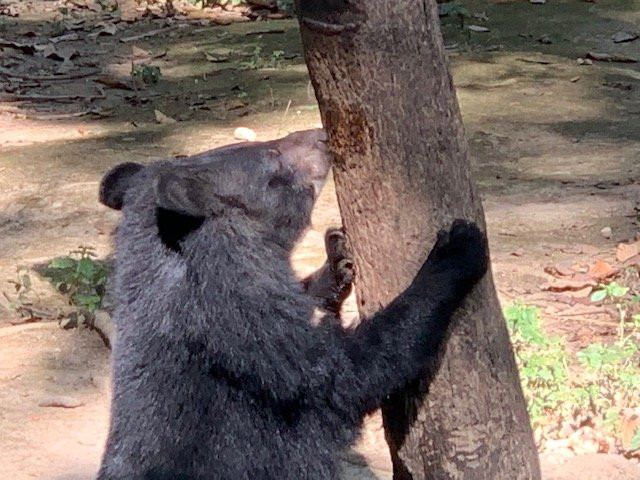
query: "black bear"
218, 371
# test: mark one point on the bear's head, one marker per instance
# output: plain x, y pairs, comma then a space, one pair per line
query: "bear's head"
267, 189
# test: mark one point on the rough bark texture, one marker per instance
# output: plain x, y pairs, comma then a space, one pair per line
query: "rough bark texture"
402, 172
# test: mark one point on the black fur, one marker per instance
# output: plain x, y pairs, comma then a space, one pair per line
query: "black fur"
116, 182
218, 372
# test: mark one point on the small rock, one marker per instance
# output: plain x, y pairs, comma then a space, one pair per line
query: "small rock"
606, 232
478, 29
68, 323
574, 79
585, 61
624, 36
545, 39
538, 2
244, 133
61, 402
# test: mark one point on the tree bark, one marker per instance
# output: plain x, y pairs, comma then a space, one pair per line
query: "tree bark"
402, 172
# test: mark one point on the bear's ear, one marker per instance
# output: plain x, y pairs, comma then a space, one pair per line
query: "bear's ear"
116, 182
181, 206
179, 193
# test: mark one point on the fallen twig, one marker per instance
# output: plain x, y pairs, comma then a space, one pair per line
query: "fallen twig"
606, 57
265, 32
63, 116
48, 98
540, 61
150, 33
49, 78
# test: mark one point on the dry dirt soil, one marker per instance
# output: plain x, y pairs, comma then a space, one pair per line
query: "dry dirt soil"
556, 153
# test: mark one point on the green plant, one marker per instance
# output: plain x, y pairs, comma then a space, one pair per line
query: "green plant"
611, 290
21, 302
257, 61
613, 372
285, 5
599, 381
145, 74
543, 364
79, 276
635, 441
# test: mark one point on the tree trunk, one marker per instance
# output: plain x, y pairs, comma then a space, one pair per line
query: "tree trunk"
402, 172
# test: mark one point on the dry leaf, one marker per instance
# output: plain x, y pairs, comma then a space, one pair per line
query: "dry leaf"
139, 52
558, 271
212, 57
582, 293
23, 47
235, 104
564, 285
109, 29
66, 66
69, 37
113, 82
49, 51
203, 14
588, 440
129, 10
635, 260
163, 119
601, 270
63, 53
629, 425
625, 251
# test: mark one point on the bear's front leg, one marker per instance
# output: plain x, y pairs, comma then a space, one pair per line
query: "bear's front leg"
331, 284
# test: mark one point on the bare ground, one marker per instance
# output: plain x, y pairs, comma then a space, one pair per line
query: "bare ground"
556, 154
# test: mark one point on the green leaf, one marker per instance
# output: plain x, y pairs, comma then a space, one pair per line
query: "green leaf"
90, 302
86, 267
598, 295
62, 263
635, 441
619, 291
